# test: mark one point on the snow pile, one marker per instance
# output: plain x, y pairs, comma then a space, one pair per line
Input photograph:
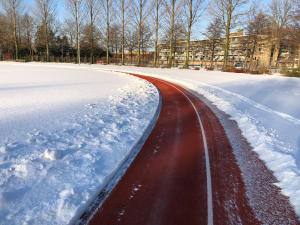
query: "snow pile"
49, 155
54, 173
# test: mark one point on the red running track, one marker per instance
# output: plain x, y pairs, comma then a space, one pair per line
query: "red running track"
167, 181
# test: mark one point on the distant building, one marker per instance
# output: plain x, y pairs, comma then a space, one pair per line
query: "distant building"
239, 51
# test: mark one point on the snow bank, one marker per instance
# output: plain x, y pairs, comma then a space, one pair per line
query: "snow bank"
52, 173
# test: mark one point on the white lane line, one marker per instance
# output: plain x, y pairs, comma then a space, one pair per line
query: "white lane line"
208, 175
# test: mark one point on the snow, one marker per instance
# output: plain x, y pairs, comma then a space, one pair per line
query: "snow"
64, 134
55, 148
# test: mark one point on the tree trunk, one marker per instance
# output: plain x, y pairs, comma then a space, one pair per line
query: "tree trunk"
276, 53
187, 59
294, 55
77, 30
251, 58
29, 40
139, 38
92, 36
123, 29
227, 28
172, 30
246, 53
213, 52
46, 41
253, 51
15, 32
299, 56
156, 33
271, 47
62, 53
117, 54
107, 32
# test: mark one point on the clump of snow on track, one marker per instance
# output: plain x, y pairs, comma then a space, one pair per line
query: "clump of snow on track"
53, 176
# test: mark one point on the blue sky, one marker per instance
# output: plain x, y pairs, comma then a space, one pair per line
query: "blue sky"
59, 4
197, 29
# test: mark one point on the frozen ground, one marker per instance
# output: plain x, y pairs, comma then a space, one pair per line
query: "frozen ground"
64, 133
267, 109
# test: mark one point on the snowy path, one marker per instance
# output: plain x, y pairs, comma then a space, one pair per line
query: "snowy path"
266, 108
173, 181
64, 133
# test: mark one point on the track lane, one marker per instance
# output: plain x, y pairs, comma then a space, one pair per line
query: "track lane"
166, 183
167, 175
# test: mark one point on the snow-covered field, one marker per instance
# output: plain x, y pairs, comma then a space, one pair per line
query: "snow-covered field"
88, 133
63, 134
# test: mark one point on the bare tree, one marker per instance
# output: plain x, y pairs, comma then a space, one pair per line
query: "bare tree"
179, 34
108, 10
172, 7
124, 8
214, 32
146, 41
69, 29
14, 10
45, 11
62, 45
40, 43
92, 8
86, 41
75, 14
131, 41
257, 32
193, 11
280, 15
28, 23
115, 40
296, 29
5, 38
141, 12
157, 6
173, 11
230, 12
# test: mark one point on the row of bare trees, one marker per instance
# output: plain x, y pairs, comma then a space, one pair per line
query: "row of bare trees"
270, 27
104, 27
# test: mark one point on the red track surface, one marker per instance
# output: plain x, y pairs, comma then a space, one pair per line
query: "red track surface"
167, 181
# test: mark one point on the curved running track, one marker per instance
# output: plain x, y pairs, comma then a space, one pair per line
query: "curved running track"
170, 180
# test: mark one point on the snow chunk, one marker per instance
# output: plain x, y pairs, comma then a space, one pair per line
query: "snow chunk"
51, 155
66, 193
4, 149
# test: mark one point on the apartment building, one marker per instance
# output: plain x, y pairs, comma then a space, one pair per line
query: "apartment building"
239, 51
